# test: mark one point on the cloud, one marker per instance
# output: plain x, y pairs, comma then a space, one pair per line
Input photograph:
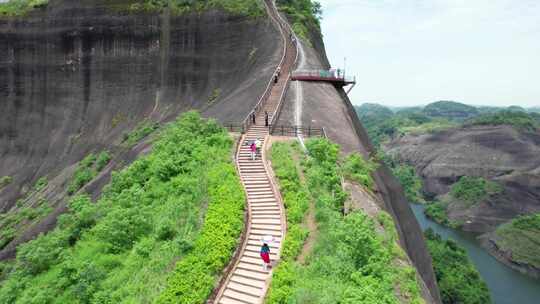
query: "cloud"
413, 51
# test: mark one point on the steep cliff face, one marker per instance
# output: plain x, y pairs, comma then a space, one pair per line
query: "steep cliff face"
323, 105
77, 75
501, 153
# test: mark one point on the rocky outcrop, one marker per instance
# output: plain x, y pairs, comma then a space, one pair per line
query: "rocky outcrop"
77, 75
498, 153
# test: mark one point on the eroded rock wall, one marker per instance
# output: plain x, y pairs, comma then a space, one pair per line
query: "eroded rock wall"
498, 153
77, 75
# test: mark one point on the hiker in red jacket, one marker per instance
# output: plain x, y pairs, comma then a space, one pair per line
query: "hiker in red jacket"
253, 150
265, 256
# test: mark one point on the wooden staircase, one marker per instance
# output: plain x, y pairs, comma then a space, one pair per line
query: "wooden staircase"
248, 282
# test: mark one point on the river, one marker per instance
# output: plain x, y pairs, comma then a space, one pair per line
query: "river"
506, 285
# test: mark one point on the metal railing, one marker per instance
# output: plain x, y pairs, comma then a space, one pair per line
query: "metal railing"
295, 131
234, 127
294, 42
248, 120
335, 75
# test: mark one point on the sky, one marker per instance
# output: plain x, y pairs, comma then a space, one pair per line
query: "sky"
413, 52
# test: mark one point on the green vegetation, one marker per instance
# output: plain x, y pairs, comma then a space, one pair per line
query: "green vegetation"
41, 183
13, 8
122, 248
467, 192
458, 280
13, 222
472, 190
351, 261
87, 169
305, 15
518, 119
382, 125
295, 197
358, 169
141, 131
251, 8
450, 110
521, 237
410, 181
214, 96
437, 212
5, 180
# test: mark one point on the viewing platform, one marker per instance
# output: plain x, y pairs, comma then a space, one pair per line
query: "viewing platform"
333, 76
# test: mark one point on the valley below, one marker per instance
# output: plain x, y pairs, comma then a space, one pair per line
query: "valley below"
478, 172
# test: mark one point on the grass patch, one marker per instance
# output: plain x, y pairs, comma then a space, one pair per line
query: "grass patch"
521, 121
351, 262
13, 8
521, 236
87, 169
5, 180
121, 248
13, 223
250, 8
141, 131
214, 96
358, 169
472, 190
458, 279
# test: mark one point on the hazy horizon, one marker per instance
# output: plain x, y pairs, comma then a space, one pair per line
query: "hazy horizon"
412, 105
406, 53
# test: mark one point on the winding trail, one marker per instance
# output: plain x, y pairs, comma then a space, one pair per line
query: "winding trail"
247, 282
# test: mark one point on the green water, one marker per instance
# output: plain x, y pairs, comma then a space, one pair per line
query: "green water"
506, 285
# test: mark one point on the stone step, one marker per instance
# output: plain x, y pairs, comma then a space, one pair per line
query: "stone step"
245, 298
226, 300
257, 181
250, 260
263, 200
268, 227
267, 205
257, 210
247, 282
252, 237
266, 221
274, 246
257, 255
253, 291
257, 249
260, 233
251, 275
261, 194
266, 216
251, 267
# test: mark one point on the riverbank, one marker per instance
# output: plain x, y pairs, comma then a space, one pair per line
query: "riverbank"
488, 242
506, 285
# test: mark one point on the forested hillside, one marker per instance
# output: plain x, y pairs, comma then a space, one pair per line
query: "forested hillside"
479, 173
